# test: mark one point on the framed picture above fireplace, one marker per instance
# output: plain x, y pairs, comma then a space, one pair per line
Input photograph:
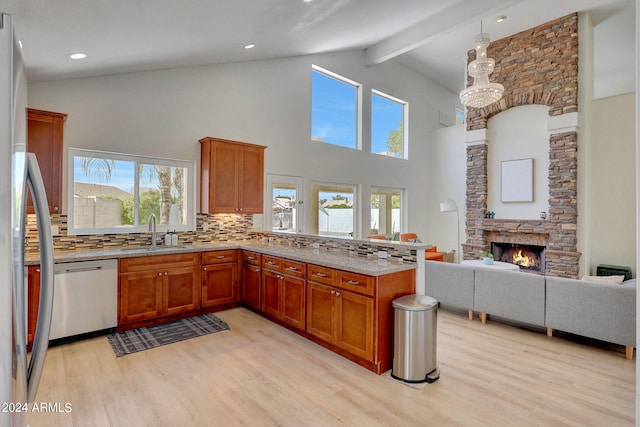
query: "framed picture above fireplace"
517, 180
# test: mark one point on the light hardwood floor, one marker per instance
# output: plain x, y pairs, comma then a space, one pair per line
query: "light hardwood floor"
260, 374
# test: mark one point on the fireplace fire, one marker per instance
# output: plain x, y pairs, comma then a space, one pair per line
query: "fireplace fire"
527, 257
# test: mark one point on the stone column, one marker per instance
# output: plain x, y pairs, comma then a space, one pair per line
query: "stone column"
477, 192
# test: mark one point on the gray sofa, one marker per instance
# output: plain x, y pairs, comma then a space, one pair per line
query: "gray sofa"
597, 310
452, 285
509, 294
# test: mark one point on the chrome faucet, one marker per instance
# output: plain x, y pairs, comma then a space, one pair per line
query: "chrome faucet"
152, 228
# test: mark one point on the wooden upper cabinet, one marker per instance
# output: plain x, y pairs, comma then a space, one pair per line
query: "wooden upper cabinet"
44, 138
231, 176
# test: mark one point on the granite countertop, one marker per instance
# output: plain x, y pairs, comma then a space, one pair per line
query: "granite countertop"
323, 257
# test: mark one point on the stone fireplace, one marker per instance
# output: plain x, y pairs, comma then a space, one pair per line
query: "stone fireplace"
537, 66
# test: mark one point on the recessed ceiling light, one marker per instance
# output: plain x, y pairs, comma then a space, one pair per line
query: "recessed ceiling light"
250, 46
501, 18
77, 55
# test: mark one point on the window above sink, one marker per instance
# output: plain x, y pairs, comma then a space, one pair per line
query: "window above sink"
116, 193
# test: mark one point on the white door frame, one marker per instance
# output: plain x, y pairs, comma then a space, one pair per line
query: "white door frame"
296, 181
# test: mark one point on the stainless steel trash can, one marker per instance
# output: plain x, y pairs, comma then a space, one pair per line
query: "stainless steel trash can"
414, 339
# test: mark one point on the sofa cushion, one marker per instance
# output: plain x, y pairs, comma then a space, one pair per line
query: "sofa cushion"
512, 295
615, 279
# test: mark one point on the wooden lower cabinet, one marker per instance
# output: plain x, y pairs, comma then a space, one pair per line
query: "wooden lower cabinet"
271, 294
219, 277
341, 318
140, 296
252, 279
352, 312
284, 294
157, 286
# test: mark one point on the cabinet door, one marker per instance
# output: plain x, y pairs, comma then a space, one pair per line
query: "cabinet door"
180, 290
219, 284
44, 138
293, 301
321, 311
251, 285
251, 179
355, 323
223, 194
271, 300
140, 296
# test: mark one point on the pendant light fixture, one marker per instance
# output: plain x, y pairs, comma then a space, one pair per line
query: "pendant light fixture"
482, 92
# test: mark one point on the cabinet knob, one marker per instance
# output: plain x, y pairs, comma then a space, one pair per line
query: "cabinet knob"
204, 268
257, 270
333, 292
160, 274
337, 294
37, 270
55, 208
166, 273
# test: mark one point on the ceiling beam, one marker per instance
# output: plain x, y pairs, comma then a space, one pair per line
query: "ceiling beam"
441, 22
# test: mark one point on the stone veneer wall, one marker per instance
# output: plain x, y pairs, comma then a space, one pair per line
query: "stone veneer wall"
537, 66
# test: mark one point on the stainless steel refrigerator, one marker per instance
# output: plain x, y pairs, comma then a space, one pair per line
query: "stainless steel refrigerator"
19, 372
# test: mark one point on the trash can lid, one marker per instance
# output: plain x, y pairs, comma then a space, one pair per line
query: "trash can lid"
415, 302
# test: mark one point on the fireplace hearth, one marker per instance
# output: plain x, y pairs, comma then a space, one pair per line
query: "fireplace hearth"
527, 257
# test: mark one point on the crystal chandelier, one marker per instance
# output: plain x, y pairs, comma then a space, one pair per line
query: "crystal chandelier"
482, 92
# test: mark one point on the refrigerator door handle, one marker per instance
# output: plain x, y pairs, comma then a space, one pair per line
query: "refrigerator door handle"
43, 325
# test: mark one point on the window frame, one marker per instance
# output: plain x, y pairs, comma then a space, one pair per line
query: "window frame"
314, 207
358, 106
190, 191
405, 122
294, 181
389, 191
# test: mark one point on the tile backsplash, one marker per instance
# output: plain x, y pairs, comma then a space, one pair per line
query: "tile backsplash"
234, 227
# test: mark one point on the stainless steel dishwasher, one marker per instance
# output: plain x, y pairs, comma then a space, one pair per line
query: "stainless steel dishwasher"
85, 297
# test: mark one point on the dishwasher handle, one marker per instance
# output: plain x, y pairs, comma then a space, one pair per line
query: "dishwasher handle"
78, 269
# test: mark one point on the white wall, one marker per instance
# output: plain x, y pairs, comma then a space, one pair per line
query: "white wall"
611, 177
446, 180
164, 113
514, 134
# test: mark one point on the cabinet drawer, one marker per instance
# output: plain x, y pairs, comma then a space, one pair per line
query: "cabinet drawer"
356, 282
219, 257
146, 263
320, 274
294, 268
252, 257
272, 263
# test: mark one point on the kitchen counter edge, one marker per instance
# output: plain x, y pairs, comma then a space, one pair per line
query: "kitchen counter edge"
323, 257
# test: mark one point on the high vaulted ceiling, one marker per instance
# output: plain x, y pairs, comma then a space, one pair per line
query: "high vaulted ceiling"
431, 36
